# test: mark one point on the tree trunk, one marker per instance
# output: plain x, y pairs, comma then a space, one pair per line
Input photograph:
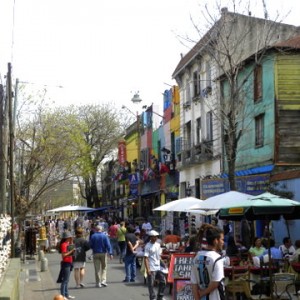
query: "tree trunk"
94, 191
4, 151
88, 194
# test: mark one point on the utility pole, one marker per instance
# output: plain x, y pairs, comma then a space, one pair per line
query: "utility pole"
3, 150
11, 157
138, 120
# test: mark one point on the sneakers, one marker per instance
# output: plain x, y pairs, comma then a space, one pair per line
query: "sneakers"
104, 283
125, 280
132, 280
98, 285
71, 297
82, 285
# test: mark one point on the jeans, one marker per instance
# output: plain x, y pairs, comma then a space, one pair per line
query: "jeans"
122, 246
130, 267
115, 246
66, 271
160, 276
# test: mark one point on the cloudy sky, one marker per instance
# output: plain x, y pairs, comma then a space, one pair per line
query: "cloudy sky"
104, 51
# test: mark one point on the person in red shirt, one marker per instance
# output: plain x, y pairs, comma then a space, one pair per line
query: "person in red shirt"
112, 232
67, 250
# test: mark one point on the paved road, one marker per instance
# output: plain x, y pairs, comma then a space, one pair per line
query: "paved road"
42, 285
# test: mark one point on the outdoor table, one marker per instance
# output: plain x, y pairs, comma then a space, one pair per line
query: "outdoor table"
296, 266
231, 272
263, 271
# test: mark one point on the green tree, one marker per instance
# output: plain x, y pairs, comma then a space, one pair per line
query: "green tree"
95, 132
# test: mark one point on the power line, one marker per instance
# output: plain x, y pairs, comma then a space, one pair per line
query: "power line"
13, 33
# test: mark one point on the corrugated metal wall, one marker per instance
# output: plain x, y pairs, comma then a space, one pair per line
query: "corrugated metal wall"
288, 81
287, 89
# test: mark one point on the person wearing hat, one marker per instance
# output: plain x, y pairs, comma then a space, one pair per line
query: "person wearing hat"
67, 249
152, 264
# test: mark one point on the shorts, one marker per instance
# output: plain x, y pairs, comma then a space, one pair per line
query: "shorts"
78, 264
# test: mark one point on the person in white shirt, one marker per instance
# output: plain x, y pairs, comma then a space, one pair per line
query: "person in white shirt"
153, 266
207, 274
287, 249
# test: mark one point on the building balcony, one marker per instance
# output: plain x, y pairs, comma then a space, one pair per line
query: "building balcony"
198, 154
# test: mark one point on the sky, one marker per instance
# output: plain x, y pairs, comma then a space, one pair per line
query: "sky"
97, 51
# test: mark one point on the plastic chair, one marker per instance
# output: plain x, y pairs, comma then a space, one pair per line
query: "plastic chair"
242, 286
284, 285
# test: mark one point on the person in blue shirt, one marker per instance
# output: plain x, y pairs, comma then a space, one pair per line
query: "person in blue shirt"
276, 253
101, 246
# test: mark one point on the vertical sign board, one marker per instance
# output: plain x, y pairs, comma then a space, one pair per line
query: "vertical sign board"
182, 290
180, 266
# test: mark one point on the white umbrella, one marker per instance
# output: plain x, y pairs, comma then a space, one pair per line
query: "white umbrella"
222, 200
202, 211
71, 208
179, 205
183, 205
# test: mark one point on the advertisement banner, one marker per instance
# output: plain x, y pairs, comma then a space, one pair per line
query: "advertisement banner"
122, 157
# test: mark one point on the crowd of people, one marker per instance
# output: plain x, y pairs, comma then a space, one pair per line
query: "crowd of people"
138, 246
135, 245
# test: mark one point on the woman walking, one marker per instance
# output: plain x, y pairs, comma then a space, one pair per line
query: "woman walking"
81, 246
67, 250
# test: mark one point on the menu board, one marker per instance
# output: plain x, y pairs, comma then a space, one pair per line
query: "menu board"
182, 290
180, 266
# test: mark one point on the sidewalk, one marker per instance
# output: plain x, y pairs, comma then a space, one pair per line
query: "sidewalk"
37, 285
34, 284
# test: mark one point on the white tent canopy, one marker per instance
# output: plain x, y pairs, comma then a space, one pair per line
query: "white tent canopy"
70, 208
222, 200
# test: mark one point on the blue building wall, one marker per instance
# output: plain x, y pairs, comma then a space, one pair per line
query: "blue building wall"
280, 228
248, 155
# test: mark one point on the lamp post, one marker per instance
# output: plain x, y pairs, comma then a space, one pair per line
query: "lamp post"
136, 100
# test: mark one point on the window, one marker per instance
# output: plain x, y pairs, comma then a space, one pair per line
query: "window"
258, 83
188, 135
208, 75
196, 84
198, 131
188, 92
209, 126
259, 130
178, 145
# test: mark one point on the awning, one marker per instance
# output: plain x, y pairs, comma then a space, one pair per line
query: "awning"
103, 208
252, 171
150, 193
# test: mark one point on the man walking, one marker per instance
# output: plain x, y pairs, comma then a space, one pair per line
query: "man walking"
152, 264
100, 245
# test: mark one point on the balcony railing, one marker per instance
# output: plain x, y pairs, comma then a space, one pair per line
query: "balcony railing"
197, 154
